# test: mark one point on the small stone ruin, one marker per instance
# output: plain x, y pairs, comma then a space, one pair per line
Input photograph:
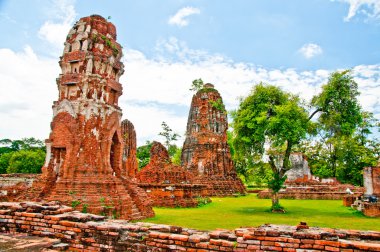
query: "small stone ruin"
205, 152
369, 201
168, 184
301, 184
89, 155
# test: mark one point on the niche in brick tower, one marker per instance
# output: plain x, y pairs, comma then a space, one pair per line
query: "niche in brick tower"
85, 149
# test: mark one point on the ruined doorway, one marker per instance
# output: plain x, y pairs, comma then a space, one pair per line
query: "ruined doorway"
59, 155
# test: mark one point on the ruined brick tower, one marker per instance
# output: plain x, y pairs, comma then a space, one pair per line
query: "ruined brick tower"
84, 162
205, 152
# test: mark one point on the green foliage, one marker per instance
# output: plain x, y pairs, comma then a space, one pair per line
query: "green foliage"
4, 161
143, 154
277, 208
176, 157
338, 102
218, 104
75, 203
203, 201
26, 161
196, 85
168, 134
272, 117
84, 208
277, 182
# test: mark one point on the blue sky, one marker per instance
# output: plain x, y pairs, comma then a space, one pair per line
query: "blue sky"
294, 44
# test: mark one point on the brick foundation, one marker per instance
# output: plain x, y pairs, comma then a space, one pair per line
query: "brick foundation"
87, 232
310, 191
371, 209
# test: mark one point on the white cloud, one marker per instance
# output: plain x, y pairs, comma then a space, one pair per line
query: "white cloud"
179, 18
370, 8
28, 91
55, 30
310, 50
155, 89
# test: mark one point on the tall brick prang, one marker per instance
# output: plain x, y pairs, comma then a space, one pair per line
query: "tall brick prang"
85, 149
205, 152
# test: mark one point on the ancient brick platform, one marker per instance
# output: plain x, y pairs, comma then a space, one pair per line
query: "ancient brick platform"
167, 184
313, 191
205, 152
84, 162
87, 232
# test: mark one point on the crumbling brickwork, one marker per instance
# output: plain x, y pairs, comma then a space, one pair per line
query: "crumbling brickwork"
130, 165
168, 184
84, 161
88, 232
205, 152
18, 187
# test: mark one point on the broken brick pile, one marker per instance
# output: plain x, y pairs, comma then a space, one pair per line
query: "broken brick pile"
168, 184
205, 152
84, 160
18, 187
88, 232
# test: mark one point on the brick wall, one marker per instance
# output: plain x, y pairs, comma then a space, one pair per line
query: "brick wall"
87, 232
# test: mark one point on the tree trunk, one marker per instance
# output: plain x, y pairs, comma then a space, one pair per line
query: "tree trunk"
275, 200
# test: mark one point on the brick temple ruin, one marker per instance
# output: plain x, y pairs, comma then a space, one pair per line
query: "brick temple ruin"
89, 157
168, 184
205, 152
301, 184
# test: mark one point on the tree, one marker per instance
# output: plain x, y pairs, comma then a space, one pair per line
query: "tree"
26, 161
274, 118
143, 154
168, 134
340, 112
196, 85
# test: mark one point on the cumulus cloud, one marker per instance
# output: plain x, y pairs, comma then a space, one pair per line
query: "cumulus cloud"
156, 89
369, 8
62, 16
179, 18
28, 90
310, 50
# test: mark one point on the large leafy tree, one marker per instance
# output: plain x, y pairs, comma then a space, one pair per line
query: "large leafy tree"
21, 156
269, 117
340, 114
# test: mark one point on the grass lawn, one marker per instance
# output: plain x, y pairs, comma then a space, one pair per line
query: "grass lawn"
231, 213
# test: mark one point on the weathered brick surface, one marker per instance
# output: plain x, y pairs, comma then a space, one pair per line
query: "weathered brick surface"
85, 164
17, 187
130, 165
88, 232
168, 184
205, 152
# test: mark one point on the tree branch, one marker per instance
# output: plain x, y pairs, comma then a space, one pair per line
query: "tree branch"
272, 164
313, 114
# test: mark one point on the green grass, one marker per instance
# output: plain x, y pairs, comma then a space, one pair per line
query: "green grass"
249, 211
